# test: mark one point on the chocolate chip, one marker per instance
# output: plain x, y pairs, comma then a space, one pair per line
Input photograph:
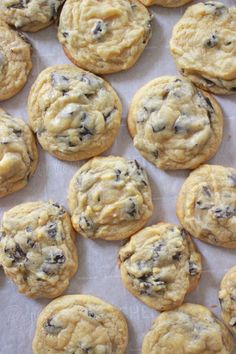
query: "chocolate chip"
193, 270
206, 191
118, 173
65, 34
212, 41
19, 5
85, 223
99, 29
16, 254
131, 208
52, 230
55, 257
155, 154
177, 256
158, 128
107, 116
91, 314
17, 132
52, 328
224, 213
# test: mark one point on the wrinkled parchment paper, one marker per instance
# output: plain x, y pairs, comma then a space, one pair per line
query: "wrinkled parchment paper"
98, 273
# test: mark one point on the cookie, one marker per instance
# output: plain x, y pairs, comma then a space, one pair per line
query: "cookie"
80, 324
29, 15
104, 36
227, 297
37, 249
18, 154
206, 205
160, 265
202, 45
75, 114
165, 3
175, 125
15, 61
189, 329
109, 198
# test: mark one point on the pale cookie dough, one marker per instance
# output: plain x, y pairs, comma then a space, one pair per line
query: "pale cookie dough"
37, 249
29, 15
160, 265
175, 125
18, 154
206, 205
80, 324
190, 329
15, 61
75, 114
110, 198
165, 3
104, 36
227, 297
203, 46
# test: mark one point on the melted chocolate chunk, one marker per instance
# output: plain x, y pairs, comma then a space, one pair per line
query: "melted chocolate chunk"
52, 328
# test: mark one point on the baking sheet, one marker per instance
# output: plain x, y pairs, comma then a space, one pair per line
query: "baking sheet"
98, 273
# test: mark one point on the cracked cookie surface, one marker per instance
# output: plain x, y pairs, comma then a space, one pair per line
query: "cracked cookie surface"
110, 198
15, 61
165, 3
29, 15
160, 265
175, 125
206, 205
227, 297
80, 324
37, 249
203, 46
75, 114
104, 36
18, 154
189, 329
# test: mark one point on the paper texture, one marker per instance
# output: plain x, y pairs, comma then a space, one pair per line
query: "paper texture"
98, 273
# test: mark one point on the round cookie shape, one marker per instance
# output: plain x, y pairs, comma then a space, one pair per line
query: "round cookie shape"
206, 205
160, 265
227, 297
190, 328
165, 3
104, 36
29, 15
80, 324
15, 61
202, 45
109, 198
75, 114
175, 125
18, 154
37, 249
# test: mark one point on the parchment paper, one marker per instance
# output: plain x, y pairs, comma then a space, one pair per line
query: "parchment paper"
98, 273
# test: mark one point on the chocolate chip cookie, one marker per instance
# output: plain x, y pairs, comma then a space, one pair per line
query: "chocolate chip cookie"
160, 265
175, 125
37, 249
110, 198
80, 324
75, 114
189, 329
18, 154
29, 15
206, 205
104, 36
203, 46
15, 61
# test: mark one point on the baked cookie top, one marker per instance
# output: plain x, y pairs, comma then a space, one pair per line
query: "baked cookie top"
160, 265
29, 15
202, 45
191, 329
37, 249
165, 3
109, 198
15, 61
227, 297
175, 125
75, 114
18, 154
206, 205
104, 36
80, 324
